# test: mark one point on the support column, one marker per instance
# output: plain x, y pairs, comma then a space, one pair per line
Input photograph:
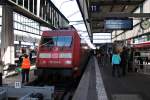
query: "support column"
7, 36
38, 8
91, 38
141, 11
116, 35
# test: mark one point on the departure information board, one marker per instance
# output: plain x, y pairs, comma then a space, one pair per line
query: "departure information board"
119, 24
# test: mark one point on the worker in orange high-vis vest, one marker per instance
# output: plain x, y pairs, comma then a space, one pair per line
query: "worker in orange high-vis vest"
25, 68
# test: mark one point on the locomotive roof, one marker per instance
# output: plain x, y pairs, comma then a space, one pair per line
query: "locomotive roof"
62, 32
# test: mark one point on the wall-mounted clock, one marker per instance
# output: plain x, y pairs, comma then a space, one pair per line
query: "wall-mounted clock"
145, 24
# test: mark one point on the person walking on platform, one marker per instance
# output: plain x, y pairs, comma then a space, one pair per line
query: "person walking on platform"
124, 58
102, 59
20, 60
115, 63
30, 56
25, 68
98, 57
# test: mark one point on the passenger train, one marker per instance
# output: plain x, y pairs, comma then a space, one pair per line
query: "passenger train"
61, 52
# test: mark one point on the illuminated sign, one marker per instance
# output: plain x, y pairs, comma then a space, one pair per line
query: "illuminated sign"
101, 38
94, 7
119, 24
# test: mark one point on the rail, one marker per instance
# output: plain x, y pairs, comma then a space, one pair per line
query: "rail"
26, 93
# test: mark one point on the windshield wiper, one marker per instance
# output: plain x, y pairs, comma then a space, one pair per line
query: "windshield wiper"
46, 43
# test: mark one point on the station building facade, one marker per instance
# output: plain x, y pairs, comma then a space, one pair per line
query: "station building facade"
22, 23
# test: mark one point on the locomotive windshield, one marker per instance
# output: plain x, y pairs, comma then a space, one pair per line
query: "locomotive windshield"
57, 41
64, 41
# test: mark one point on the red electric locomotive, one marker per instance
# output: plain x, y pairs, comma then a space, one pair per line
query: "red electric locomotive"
61, 52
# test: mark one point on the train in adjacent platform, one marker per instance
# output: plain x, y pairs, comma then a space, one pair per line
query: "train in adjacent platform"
61, 52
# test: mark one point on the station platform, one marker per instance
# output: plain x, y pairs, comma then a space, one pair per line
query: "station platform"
91, 85
133, 86
97, 83
16, 77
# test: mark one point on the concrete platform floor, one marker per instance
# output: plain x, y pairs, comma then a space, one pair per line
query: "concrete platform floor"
17, 78
133, 86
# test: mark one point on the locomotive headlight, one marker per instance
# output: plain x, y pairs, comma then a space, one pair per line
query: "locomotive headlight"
43, 62
76, 68
68, 62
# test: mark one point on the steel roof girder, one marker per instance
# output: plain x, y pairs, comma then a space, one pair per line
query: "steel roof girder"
118, 2
118, 15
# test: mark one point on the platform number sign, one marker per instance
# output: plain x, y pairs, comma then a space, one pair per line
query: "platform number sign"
94, 7
17, 84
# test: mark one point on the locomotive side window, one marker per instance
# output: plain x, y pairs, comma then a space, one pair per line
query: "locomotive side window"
49, 41
64, 41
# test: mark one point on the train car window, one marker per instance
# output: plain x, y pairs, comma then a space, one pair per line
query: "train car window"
64, 41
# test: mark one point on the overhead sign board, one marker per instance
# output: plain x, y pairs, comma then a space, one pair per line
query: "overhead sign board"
119, 24
99, 38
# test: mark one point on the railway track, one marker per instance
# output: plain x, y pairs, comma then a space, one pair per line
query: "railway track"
64, 89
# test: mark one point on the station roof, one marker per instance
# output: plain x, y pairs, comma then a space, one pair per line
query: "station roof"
95, 12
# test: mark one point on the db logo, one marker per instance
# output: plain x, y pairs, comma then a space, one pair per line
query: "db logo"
55, 55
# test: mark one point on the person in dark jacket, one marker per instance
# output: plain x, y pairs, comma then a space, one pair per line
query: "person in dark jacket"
20, 60
30, 56
141, 63
124, 58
